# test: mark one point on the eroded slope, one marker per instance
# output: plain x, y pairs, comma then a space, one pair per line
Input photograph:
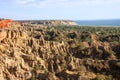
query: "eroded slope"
38, 53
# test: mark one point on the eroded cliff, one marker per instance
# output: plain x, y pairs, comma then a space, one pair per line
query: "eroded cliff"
38, 53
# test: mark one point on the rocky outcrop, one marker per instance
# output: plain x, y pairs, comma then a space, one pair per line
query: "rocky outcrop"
36, 53
24, 57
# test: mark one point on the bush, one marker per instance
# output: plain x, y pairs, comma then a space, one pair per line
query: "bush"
72, 35
50, 36
102, 77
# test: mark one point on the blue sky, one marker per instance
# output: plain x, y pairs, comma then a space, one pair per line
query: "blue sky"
60, 9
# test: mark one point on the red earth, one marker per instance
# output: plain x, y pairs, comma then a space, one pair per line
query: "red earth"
5, 23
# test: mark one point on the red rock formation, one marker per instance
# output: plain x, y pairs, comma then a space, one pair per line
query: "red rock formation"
5, 23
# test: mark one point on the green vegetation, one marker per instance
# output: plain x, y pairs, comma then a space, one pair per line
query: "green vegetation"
84, 48
102, 77
106, 34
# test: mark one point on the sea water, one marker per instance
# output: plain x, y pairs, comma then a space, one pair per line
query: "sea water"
99, 22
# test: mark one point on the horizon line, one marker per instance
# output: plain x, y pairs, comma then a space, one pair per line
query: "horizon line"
66, 19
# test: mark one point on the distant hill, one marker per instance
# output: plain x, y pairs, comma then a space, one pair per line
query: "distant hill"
49, 22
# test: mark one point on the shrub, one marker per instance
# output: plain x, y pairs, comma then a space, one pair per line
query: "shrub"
72, 35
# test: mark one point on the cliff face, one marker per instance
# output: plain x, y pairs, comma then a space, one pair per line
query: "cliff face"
37, 53
51, 22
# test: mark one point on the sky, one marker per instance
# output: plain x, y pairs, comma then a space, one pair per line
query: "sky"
60, 9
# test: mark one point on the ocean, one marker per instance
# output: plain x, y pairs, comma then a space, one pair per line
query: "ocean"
98, 22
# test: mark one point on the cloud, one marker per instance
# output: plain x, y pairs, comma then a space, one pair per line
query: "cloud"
58, 3
24, 1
